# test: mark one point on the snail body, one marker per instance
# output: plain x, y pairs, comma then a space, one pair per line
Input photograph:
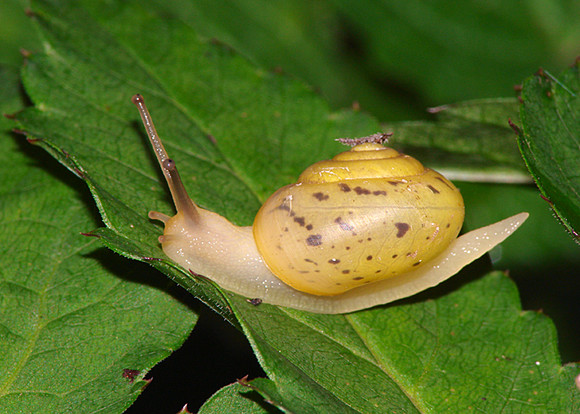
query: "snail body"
368, 227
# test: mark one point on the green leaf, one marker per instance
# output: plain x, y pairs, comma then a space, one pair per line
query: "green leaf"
471, 141
79, 327
305, 38
394, 58
238, 133
471, 349
450, 51
198, 96
17, 33
237, 398
550, 141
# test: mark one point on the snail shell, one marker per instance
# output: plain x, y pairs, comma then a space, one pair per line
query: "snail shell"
368, 227
366, 215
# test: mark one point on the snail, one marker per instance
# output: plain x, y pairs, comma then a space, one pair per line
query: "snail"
366, 228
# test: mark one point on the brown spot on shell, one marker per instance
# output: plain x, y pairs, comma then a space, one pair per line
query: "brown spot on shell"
402, 229
311, 261
320, 196
344, 187
369, 257
443, 181
395, 256
314, 240
361, 191
358, 278
346, 272
334, 261
416, 264
343, 225
395, 183
435, 191
300, 220
309, 227
379, 192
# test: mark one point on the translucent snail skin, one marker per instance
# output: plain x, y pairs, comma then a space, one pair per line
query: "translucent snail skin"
365, 228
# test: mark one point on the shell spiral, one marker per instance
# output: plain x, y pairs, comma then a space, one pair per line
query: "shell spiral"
368, 214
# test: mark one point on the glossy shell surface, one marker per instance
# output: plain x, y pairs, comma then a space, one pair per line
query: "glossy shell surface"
368, 214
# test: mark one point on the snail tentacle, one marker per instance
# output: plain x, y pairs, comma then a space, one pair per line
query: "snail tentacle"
181, 199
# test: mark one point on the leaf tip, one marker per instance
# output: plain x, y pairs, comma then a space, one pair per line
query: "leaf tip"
30, 140
90, 235
546, 199
184, 410
244, 381
516, 128
77, 170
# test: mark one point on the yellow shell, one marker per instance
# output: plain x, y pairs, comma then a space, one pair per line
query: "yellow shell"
368, 214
